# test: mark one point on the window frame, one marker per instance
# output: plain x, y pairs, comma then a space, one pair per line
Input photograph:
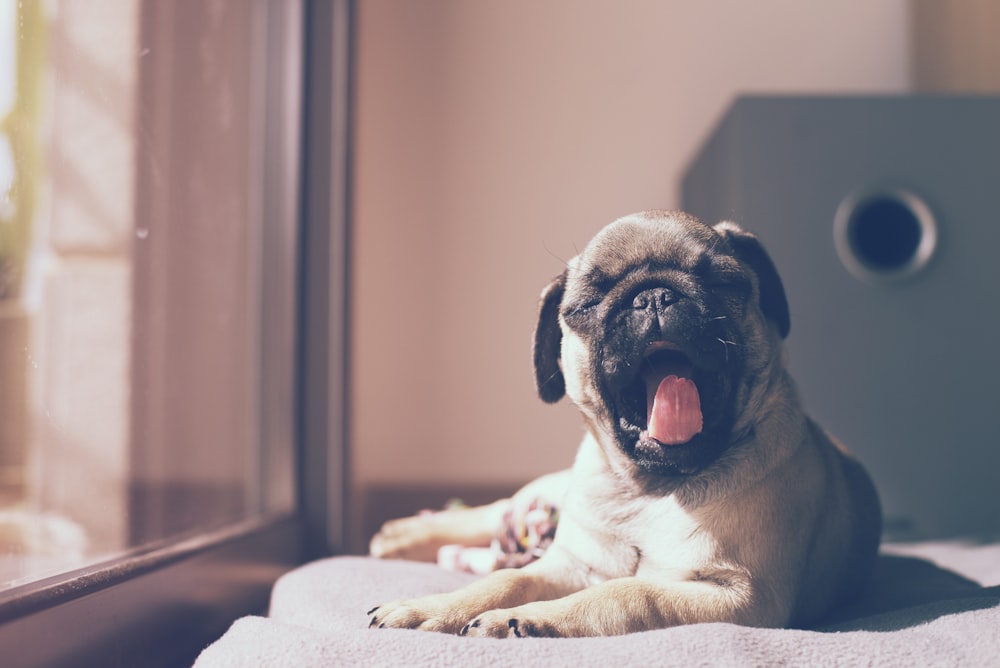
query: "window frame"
164, 603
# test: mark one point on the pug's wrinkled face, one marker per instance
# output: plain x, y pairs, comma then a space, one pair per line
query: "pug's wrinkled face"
664, 336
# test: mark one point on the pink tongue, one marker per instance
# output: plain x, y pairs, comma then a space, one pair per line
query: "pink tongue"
673, 409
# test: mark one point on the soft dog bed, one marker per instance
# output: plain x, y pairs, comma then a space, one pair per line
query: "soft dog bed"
930, 604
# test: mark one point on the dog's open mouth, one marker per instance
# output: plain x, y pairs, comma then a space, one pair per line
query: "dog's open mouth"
670, 397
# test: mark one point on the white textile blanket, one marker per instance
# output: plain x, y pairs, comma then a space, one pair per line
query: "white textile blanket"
931, 604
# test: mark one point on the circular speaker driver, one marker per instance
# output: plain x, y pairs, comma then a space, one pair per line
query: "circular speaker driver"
884, 235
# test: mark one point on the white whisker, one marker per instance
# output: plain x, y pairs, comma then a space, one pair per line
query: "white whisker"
725, 345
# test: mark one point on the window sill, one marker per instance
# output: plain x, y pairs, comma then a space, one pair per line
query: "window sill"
105, 615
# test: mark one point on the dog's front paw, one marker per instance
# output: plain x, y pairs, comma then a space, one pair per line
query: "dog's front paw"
521, 622
426, 614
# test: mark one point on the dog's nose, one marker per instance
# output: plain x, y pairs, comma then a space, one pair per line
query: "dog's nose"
656, 299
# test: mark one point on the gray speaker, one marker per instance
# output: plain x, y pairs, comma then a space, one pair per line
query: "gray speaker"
882, 215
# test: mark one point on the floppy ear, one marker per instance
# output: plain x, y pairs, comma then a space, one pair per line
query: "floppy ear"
749, 250
548, 341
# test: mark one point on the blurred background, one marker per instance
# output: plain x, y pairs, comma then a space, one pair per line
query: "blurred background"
494, 138
151, 185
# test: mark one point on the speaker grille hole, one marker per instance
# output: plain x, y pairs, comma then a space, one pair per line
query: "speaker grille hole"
884, 235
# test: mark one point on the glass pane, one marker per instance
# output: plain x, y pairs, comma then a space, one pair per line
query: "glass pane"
147, 237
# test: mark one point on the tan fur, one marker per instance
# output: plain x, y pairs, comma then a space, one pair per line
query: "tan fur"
772, 533
420, 537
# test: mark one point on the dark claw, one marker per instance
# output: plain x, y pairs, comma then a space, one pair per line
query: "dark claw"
512, 624
474, 624
373, 609
373, 622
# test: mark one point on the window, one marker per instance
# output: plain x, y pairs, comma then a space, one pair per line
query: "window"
173, 201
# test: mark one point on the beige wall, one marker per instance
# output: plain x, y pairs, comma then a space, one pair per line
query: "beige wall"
493, 139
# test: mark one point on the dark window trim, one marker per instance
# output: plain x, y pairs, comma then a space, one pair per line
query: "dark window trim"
324, 254
163, 605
